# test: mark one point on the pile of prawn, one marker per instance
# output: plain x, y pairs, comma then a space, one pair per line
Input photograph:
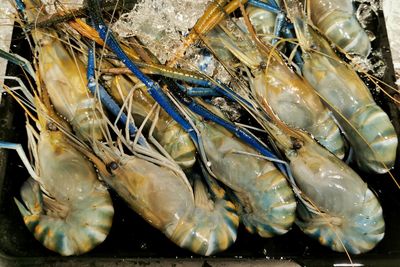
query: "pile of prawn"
103, 114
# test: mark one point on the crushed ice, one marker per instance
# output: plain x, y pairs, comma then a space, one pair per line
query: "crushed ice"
161, 24
232, 110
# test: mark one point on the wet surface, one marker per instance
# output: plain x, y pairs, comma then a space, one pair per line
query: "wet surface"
134, 242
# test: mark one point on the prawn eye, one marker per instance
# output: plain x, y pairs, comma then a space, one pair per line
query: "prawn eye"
51, 126
263, 65
314, 46
112, 166
297, 144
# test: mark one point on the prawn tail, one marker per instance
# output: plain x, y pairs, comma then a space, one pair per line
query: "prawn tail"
32, 203
358, 234
216, 222
66, 230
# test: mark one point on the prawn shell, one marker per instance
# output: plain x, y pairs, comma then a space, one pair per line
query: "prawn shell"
294, 101
349, 215
218, 237
164, 200
378, 141
336, 19
66, 84
367, 127
358, 235
266, 200
86, 227
178, 144
79, 214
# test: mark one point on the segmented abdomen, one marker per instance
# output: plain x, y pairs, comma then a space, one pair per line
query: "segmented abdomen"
327, 133
277, 216
367, 127
84, 225
178, 144
357, 233
266, 202
341, 26
208, 232
378, 141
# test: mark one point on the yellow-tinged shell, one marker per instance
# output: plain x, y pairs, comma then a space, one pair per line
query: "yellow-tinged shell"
65, 81
79, 215
167, 202
167, 131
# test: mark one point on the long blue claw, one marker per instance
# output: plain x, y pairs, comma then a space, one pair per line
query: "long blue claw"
160, 97
153, 88
106, 99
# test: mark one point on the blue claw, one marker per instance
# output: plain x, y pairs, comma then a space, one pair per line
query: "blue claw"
282, 26
198, 91
159, 96
106, 99
152, 87
267, 6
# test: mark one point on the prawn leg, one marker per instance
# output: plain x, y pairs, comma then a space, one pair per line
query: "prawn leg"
21, 153
18, 60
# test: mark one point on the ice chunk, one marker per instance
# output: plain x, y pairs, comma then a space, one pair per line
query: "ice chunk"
160, 24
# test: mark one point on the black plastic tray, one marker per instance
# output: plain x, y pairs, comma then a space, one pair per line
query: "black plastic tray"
134, 242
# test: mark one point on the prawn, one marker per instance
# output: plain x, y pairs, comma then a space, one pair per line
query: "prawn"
367, 127
62, 74
160, 192
266, 201
336, 206
290, 97
64, 205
